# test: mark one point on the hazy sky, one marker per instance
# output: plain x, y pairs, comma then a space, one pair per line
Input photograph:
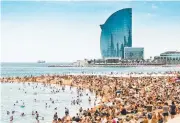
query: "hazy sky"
67, 31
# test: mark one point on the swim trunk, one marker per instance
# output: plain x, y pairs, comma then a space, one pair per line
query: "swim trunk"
165, 114
173, 113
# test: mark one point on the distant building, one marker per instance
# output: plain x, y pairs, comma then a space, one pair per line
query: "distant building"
80, 63
169, 57
134, 53
116, 33
112, 60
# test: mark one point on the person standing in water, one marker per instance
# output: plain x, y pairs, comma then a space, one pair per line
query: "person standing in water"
11, 118
37, 116
89, 99
55, 117
66, 111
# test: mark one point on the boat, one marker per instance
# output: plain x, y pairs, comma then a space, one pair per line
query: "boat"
41, 61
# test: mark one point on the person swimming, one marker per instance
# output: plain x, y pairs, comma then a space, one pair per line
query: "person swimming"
11, 118
33, 113
8, 112
13, 112
22, 114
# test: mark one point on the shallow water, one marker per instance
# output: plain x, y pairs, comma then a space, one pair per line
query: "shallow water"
10, 93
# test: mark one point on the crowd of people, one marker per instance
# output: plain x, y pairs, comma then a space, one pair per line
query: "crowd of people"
142, 99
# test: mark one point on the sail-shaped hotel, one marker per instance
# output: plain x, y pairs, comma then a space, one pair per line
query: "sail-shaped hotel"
116, 33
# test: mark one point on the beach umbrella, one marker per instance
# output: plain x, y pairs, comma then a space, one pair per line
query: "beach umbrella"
177, 80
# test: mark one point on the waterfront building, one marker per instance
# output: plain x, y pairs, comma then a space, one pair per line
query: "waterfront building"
134, 53
112, 60
169, 57
80, 63
116, 33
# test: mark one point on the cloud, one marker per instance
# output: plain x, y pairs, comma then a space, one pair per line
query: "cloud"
156, 38
50, 40
154, 6
150, 15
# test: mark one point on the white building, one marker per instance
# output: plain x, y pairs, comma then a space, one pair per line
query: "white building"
80, 63
169, 57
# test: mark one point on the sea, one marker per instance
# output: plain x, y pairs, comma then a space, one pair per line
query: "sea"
15, 95
36, 69
23, 93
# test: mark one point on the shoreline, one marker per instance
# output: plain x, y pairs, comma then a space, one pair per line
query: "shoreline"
114, 73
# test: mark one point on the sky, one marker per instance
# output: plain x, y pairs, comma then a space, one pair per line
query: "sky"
69, 31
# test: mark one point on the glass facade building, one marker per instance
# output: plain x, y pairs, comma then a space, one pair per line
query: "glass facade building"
116, 33
134, 53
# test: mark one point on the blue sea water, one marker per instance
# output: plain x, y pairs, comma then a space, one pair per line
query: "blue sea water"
27, 69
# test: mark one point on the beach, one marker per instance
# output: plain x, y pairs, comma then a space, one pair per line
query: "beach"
134, 97
90, 62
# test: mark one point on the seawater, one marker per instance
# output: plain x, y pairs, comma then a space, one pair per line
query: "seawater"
35, 69
10, 93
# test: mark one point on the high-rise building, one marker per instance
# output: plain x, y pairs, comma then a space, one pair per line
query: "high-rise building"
116, 33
